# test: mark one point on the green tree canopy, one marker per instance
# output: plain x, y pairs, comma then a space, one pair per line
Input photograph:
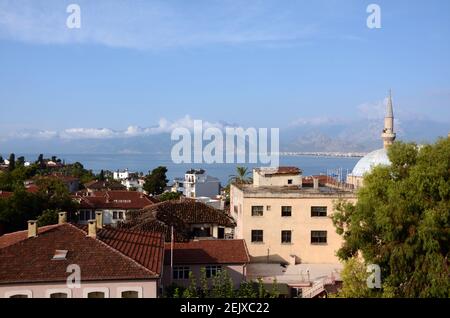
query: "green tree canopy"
156, 181
401, 221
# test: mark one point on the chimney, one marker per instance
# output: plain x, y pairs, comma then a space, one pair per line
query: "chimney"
32, 228
92, 228
62, 217
99, 219
316, 183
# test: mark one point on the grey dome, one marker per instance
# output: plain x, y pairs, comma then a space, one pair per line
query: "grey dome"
369, 161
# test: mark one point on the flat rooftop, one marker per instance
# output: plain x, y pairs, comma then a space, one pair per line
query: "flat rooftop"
251, 191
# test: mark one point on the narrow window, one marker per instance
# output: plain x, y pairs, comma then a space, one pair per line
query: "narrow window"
212, 270
286, 211
96, 295
318, 211
130, 294
257, 236
286, 237
318, 237
58, 295
257, 210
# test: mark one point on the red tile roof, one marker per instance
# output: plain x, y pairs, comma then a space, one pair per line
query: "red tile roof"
104, 185
179, 214
114, 255
125, 200
208, 252
13, 238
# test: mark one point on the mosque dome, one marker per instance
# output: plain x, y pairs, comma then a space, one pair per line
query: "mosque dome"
369, 161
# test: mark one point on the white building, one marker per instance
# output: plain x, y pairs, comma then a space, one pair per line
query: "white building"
130, 180
198, 184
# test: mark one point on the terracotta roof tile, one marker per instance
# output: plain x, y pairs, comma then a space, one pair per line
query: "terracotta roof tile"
115, 255
208, 252
179, 214
126, 200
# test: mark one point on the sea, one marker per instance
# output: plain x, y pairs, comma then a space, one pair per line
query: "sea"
311, 165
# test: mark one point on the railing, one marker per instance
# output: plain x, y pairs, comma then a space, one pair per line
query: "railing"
314, 290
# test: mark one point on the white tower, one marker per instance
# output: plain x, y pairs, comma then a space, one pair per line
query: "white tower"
388, 134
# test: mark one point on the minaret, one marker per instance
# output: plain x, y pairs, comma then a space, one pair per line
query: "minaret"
388, 134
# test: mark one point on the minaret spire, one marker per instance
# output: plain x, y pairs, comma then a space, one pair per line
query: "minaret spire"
388, 134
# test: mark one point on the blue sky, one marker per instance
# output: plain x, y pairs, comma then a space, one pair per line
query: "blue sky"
252, 63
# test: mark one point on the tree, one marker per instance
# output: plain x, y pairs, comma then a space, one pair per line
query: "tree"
40, 159
401, 221
191, 291
48, 217
101, 176
222, 285
21, 161
1, 160
156, 181
354, 280
167, 196
241, 176
246, 290
12, 162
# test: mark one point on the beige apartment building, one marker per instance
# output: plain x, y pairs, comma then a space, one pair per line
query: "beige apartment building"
284, 219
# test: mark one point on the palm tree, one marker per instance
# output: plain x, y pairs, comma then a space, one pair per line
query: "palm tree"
241, 176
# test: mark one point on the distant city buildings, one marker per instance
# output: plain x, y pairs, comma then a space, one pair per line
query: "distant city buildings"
130, 180
113, 206
197, 183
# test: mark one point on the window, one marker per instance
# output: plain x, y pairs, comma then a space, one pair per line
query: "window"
18, 296
221, 233
181, 272
318, 211
257, 236
257, 210
96, 295
235, 209
86, 215
130, 294
289, 181
318, 237
212, 270
58, 295
96, 292
268, 208
286, 237
286, 211
118, 215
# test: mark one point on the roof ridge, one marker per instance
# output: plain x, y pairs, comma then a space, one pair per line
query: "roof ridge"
115, 250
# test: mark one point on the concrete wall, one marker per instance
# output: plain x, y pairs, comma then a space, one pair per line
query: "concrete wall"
112, 289
260, 180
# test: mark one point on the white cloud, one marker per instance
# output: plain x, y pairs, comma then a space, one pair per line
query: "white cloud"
163, 126
152, 24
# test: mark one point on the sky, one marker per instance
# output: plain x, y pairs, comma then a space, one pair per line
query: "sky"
148, 66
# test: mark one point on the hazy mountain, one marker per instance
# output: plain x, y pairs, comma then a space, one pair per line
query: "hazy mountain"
315, 135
